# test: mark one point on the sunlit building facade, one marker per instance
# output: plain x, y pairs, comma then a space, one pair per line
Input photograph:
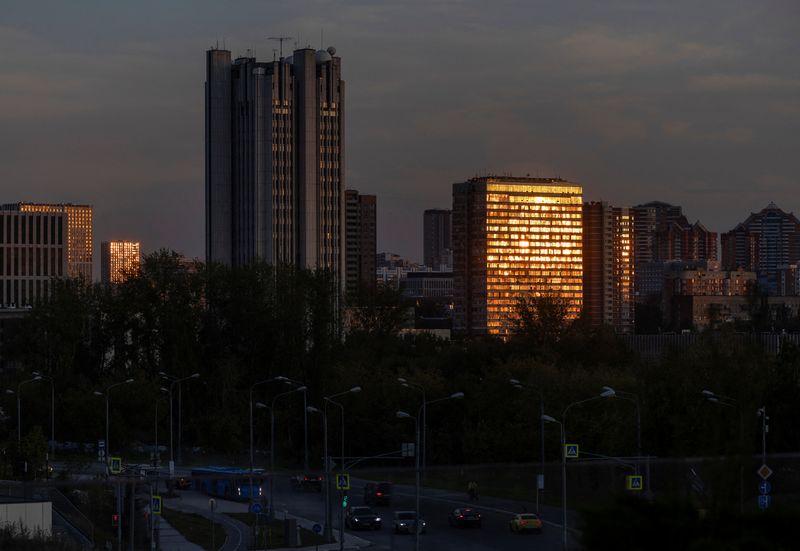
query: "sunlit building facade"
514, 237
119, 260
608, 266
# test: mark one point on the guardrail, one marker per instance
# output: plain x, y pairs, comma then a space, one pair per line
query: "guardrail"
70, 513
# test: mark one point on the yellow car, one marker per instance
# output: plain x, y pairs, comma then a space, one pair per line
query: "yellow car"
525, 522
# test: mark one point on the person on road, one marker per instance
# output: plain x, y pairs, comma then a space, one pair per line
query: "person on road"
472, 490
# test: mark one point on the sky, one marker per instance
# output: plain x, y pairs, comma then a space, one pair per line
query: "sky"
692, 103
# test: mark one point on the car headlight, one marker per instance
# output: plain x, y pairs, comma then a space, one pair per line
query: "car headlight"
239, 491
402, 524
378, 519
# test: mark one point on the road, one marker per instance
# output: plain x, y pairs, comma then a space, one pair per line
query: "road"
493, 535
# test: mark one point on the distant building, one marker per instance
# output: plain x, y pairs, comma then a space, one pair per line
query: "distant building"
662, 233
360, 241
39, 242
434, 285
763, 243
514, 237
438, 240
274, 137
789, 280
119, 260
608, 266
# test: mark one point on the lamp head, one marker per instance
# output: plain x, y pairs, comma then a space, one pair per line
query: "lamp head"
355, 389
403, 415
514, 382
402, 380
708, 393
548, 419
456, 395
98, 393
9, 391
37, 378
195, 376
164, 389
261, 405
301, 388
128, 381
610, 393
281, 378
312, 409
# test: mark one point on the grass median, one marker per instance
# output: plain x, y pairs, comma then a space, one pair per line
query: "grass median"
270, 535
195, 528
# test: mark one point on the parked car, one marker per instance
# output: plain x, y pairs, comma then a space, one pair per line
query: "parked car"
525, 522
306, 483
378, 493
405, 521
362, 518
464, 518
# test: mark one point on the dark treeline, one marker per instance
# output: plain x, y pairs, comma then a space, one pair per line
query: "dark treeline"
239, 326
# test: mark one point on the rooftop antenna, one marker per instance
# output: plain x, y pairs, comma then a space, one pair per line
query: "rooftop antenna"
280, 40
274, 54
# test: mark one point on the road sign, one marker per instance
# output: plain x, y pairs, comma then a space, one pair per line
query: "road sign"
764, 487
116, 465
634, 482
764, 501
317, 528
571, 451
343, 481
764, 472
256, 508
407, 449
540, 481
155, 505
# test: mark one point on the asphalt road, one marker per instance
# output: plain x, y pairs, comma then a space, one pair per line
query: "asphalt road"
493, 534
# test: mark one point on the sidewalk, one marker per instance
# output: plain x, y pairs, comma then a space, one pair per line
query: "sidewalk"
172, 540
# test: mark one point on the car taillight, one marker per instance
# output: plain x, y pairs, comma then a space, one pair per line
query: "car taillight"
379, 494
460, 516
305, 478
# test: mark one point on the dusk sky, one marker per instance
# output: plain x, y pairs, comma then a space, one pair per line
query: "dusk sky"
693, 103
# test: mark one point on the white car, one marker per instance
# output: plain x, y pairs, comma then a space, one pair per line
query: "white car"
404, 522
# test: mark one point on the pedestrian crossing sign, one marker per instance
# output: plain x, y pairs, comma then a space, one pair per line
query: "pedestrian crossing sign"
116, 465
634, 482
571, 451
343, 481
155, 506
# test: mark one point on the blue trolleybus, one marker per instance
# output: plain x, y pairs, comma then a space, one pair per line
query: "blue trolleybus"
229, 482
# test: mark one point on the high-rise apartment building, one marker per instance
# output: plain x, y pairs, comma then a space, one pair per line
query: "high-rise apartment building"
119, 260
360, 241
608, 266
763, 243
514, 237
274, 159
438, 240
39, 242
662, 233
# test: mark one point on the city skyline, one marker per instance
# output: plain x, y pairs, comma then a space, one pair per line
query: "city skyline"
635, 103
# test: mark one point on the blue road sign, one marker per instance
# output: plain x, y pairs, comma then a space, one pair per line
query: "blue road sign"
155, 505
764, 501
317, 528
764, 487
571, 451
256, 508
634, 482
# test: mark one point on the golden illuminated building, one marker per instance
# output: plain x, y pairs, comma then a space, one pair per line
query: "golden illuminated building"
608, 266
119, 260
514, 237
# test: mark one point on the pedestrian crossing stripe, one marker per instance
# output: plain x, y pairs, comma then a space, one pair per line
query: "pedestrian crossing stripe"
571, 451
634, 482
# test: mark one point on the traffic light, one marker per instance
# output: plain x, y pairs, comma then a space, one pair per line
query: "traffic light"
115, 519
344, 501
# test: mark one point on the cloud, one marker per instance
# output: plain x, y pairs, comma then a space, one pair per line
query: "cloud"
743, 82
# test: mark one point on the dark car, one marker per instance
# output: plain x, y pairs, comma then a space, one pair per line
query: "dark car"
378, 493
307, 483
464, 518
405, 522
362, 518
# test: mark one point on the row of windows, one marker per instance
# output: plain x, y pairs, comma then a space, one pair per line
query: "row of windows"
16, 229
31, 261
21, 292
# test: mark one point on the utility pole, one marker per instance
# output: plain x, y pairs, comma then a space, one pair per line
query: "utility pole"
280, 40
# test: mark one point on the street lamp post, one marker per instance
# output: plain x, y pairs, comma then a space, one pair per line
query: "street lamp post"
155, 427
631, 397
417, 419
727, 401
404, 382
252, 458
106, 396
325, 470
517, 384
36, 377
175, 381
52, 411
328, 506
272, 446
548, 419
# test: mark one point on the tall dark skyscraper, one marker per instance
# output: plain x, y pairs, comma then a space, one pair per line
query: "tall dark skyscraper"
360, 241
274, 159
438, 239
766, 242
